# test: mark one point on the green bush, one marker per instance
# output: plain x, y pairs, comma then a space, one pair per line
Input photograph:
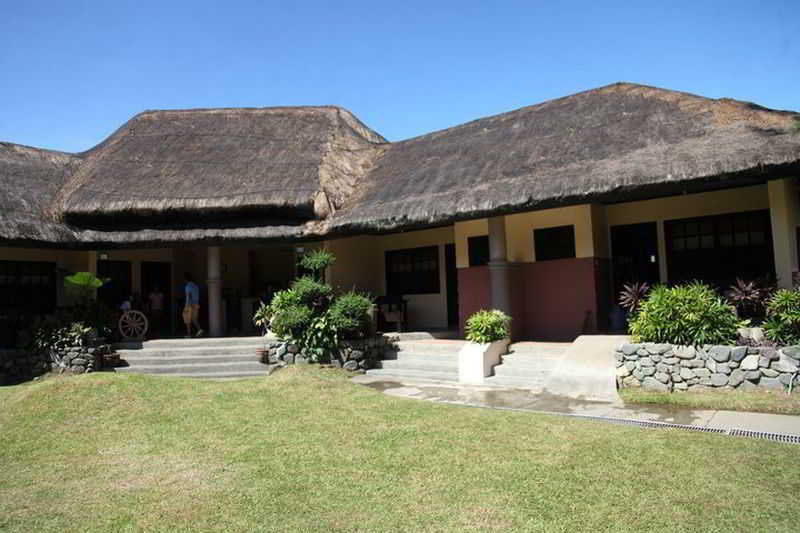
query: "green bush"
783, 317
320, 339
312, 293
690, 314
349, 314
317, 260
291, 322
488, 326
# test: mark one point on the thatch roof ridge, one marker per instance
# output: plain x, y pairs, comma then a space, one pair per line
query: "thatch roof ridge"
218, 160
29, 179
605, 144
611, 87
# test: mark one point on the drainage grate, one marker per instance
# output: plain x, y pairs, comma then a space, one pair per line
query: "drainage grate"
649, 423
765, 435
733, 432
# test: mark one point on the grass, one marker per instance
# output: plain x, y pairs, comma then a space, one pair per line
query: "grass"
306, 450
730, 400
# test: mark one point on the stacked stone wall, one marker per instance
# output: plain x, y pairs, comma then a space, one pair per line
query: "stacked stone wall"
353, 355
667, 367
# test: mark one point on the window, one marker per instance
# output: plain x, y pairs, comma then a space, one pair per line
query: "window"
478, 249
412, 271
554, 243
28, 286
718, 249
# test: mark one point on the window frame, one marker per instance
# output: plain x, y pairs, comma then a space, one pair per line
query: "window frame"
420, 273
540, 236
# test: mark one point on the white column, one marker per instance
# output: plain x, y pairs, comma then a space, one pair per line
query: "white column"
784, 211
499, 267
215, 326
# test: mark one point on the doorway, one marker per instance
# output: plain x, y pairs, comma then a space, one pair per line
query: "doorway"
451, 277
158, 275
119, 286
634, 252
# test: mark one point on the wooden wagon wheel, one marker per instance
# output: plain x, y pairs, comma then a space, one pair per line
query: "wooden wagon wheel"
133, 325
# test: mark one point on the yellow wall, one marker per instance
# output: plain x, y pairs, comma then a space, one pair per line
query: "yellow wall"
519, 232
689, 205
360, 264
785, 217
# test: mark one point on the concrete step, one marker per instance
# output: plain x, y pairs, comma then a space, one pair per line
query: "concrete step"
201, 342
422, 365
414, 375
147, 359
430, 347
218, 376
193, 350
196, 368
530, 350
530, 363
516, 371
514, 382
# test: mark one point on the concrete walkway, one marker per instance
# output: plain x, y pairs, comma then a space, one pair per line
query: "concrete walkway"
520, 400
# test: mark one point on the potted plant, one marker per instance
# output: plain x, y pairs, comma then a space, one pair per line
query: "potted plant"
488, 333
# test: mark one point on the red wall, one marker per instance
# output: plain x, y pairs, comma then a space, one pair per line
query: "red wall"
473, 292
551, 300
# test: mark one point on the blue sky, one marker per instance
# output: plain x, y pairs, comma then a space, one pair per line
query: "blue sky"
73, 72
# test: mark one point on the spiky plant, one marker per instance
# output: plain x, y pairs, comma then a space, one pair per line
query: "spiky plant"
632, 294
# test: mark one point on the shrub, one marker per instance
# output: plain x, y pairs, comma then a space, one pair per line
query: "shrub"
690, 314
488, 326
317, 261
320, 340
291, 321
631, 296
750, 297
349, 314
312, 293
262, 316
783, 317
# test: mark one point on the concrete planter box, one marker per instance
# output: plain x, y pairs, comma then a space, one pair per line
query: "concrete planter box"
476, 361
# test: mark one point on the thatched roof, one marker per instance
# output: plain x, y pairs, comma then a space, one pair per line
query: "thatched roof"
614, 143
297, 163
238, 175
30, 178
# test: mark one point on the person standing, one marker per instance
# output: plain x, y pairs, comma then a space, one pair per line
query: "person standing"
191, 306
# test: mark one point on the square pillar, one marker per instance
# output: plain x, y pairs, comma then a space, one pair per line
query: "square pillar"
499, 268
784, 212
215, 326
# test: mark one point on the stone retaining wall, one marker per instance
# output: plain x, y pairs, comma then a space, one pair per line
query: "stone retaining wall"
17, 366
353, 355
666, 367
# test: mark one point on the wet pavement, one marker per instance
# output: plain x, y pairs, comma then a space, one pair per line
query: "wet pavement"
543, 402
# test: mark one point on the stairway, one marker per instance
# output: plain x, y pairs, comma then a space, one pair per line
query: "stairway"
527, 365
210, 358
428, 360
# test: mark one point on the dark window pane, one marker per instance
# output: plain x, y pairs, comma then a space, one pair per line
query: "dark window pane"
412, 271
554, 243
726, 247
478, 250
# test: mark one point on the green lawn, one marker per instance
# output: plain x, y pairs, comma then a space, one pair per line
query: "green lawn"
732, 400
306, 450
